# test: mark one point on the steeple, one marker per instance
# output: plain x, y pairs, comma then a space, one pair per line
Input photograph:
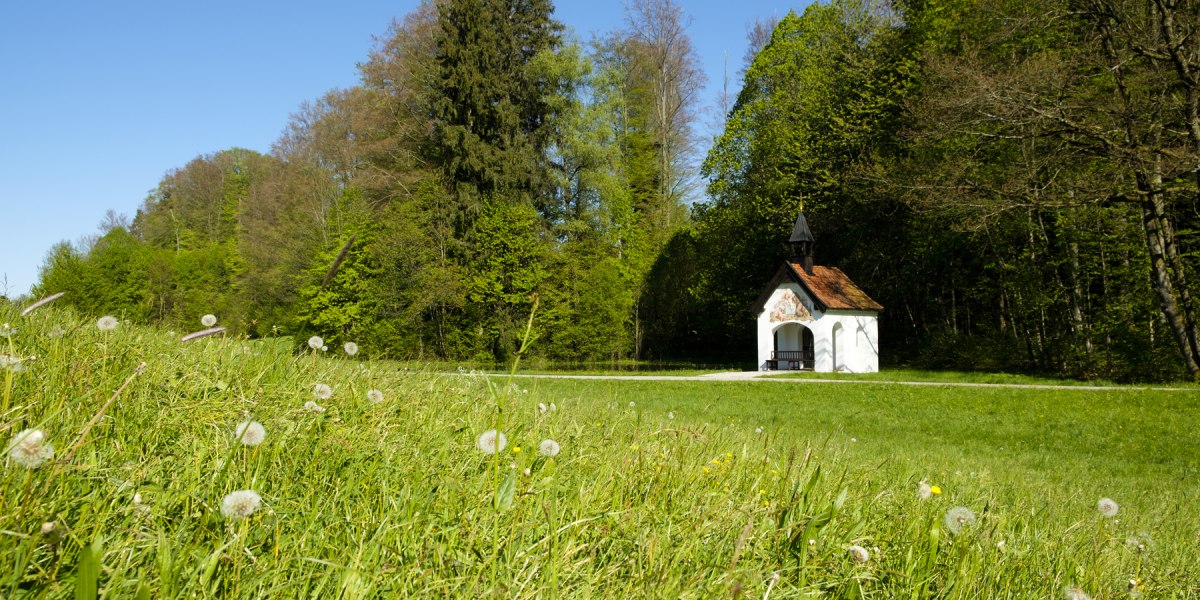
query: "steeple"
801, 244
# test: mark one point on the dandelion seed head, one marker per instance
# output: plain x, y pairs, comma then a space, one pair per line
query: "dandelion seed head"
12, 364
632, 404
924, 491
30, 448
315, 342
240, 504
670, 414
1072, 592
375, 396
1107, 507
311, 406
553, 407
958, 519
541, 408
208, 320
859, 554
322, 391
491, 441
549, 448
1141, 542
250, 433
137, 498
48, 527
351, 348
107, 323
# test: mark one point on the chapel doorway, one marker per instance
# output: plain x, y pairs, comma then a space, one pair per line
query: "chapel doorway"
794, 348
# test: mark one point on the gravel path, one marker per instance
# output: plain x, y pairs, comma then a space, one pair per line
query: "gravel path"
772, 377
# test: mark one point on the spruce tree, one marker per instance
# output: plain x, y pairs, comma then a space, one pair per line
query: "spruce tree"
491, 114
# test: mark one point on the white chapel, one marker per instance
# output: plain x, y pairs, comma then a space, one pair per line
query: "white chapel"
815, 318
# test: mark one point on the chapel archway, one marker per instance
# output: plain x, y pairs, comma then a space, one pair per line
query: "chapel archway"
794, 347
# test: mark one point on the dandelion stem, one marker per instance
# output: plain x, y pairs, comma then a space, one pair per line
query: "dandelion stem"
100, 414
40, 303
8, 379
501, 399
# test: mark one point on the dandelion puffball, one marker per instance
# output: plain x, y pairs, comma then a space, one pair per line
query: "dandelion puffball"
311, 406
315, 342
1072, 592
250, 433
322, 391
240, 504
549, 448
924, 491
859, 554
542, 408
375, 396
1140, 543
30, 448
106, 323
208, 320
1107, 507
491, 441
351, 348
958, 519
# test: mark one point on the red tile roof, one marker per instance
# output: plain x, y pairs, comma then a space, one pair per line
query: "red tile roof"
833, 289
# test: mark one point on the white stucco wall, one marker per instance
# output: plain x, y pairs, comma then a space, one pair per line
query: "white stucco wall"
857, 339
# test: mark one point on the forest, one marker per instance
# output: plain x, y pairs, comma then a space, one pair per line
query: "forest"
1017, 183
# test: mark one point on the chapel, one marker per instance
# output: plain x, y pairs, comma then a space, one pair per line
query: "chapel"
814, 318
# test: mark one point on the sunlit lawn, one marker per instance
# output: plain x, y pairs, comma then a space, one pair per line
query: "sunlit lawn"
696, 489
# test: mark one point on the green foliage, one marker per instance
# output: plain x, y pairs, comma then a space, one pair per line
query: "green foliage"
1004, 177
818, 107
492, 104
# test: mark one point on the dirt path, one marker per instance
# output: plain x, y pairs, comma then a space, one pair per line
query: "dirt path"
771, 377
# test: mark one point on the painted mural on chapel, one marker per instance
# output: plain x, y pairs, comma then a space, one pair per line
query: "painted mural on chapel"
789, 308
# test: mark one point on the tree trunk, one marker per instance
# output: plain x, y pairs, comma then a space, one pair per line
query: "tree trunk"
1158, 239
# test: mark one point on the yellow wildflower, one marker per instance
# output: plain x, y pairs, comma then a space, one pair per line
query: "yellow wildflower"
935, 489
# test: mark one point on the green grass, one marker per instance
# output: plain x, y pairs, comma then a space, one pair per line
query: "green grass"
679, 495
951, 377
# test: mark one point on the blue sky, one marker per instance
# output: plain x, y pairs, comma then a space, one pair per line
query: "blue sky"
101, 99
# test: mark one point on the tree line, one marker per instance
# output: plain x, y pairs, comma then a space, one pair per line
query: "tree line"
1019, 186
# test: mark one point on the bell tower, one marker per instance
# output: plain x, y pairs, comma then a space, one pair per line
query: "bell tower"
801, 244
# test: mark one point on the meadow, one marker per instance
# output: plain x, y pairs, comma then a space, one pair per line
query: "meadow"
224, 467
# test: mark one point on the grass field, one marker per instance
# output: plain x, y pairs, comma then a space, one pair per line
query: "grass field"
661, 489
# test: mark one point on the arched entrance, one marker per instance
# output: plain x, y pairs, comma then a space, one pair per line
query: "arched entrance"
793, 347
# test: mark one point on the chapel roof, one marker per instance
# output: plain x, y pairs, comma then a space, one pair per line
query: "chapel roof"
834, 289
829, 288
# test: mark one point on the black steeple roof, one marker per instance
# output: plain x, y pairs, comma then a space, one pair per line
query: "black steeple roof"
801, 233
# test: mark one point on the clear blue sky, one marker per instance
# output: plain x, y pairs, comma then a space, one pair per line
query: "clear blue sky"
101, 99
